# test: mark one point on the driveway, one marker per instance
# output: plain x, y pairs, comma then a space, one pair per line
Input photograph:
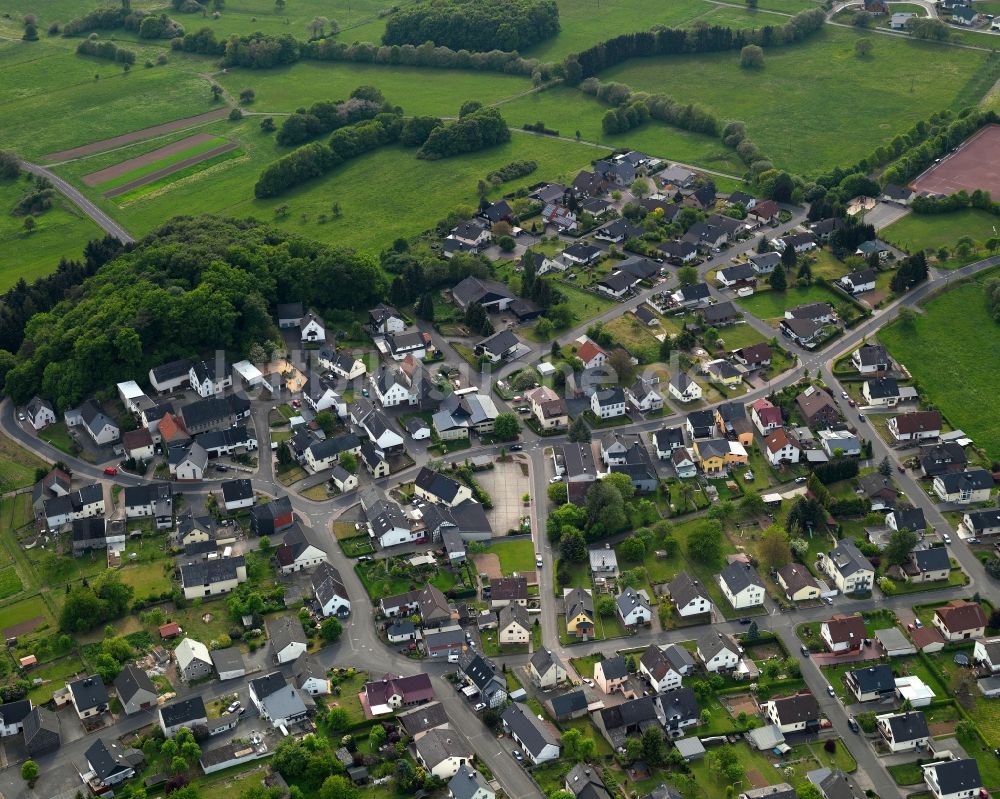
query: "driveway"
507, 482
884, 214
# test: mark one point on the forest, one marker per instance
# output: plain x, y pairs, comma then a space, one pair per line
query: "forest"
195, 285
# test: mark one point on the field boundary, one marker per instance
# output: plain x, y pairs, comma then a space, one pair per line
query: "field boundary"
152, 177
137, 135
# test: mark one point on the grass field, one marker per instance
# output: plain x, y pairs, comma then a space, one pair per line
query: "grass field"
930, 231
859, 110
10, 583
17, 465
419, 91
952, 351
422, 191
24, 610
164, 181
773, 304
569, 110
60, 232
58, 102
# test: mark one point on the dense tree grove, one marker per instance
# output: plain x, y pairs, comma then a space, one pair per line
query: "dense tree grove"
674, 41
193, 285
327, 116
108, 50
417, 129
511, 171
317, 159
260, 51
474, 25
88, 606
475, 131
424, 55
107, 19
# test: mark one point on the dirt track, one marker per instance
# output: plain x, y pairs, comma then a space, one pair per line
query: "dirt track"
112, 172
169, 170
137, 135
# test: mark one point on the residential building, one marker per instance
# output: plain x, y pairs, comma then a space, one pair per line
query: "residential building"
678, 710
545, 669
843, 633
608, 403
310, 676
210, 378
798, 583
953, 779
391, 693
329, 590
793, 713
689, 596
871, 359
980, 523
514, 625
193, 660
237, 494
539, 742
986, 654
667, 441
295, 553
579, 610
963, 488
483, 674
277, 701
287, 637
212, 576
881, 392
135, 690
109, 764
756, 356
611, 674
89, 696
228, 663
848, 568
41, 731
508, 591
718, 651
741, 585
960, 620
817, 408
871, 683
633, 609
183, 713
439, 751
780, 449
765, 415
469, 784
659, 670
683, 388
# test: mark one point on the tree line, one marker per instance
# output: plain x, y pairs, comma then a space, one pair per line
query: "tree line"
482, 128
326, 116
317, 159
195, 285
634, 108
676, 41
465, 25
260, 51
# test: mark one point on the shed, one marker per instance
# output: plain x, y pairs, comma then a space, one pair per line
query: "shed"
690, 748
893, 643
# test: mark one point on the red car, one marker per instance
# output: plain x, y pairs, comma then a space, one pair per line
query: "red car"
111, 470
851, 402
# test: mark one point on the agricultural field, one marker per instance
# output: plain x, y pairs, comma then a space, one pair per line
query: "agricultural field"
370, 219
860, 110
961, 381
916, 232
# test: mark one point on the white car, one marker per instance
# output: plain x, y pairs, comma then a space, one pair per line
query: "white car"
480, 706
233, 707
589, 681
555, 479
538, 561
844, 395
946, 538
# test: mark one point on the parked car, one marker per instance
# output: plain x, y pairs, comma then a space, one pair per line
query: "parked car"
111, 470
555, 479
745, 620
852, 403
829, 690
538, 561
233, 707
861, 417
480, 706
946, 538
589, 681
516, 754
845, 395
515, 447
804, 650
21, 417
853, 724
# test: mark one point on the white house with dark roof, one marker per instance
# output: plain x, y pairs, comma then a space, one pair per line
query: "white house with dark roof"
135, 690
537, 739
183, 713
689, 596
683, 388
718, 651
329, 590
287, 637
608, 403
545, 669
633, 609
311, 328
953, 779
850, 570
741, 585
903, 732
795, 713
40, 413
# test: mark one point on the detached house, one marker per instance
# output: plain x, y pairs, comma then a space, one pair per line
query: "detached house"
311, 328
539, 742
843, 633
296, 553
99, 426
741, 585
688, 596
959, 620
609, 403
881, 392
917, 426
964, 488
765, 415
484, 676
779, 448
683, 388
953, 779
982, 522
871, 683
439, 751
665, 667
871, 359
89, 696
903, 732
210, 378
277, 701
793, 713
798, 583
135, 690
718, 651
859, 282
328, 588
987, 654
848, 568
384, 319
183, 713
545, 669
633, 609
40, 413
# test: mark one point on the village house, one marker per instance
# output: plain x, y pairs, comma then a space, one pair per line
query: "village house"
960, 620
741, 585
843, 633
871, 683
718, 651
793, 713
850, 570
798, 583
688, 596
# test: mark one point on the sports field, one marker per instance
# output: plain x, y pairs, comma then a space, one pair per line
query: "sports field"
975, 165
816, 104
952, 351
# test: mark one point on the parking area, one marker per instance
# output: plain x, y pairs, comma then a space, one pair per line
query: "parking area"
507, 483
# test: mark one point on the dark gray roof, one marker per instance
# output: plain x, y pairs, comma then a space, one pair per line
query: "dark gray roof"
14, 712
439, 744
971, 480
206, 572
38, 722
932, 560
172, 370
108, 760
228, 659
186, 711
264, 686
236, 490
632, 712
327, 583
908, 726
849, 559
611, 396
422, 718
473, 289
983, 519
334, 446
628, 600
572, 702
711, 643
88, 692
874, 678
909, 519
306, 667
958, 775
531, 732
132, 680
437, 484
680, 705
467, 782
696, 291
881, 387
614, 668
285, 631
585, 783
796, 709
290, 310
739, 575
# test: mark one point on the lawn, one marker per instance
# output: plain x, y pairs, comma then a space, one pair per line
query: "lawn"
24, 610
370, 217
54, 675
570, 110
859, 111
916, 232
58, 436
959, 379
634, 336
515, 556
60, 232
770, 305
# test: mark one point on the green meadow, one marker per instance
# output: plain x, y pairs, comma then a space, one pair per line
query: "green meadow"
816, 104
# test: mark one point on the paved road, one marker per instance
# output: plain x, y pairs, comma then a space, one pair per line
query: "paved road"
105, 222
